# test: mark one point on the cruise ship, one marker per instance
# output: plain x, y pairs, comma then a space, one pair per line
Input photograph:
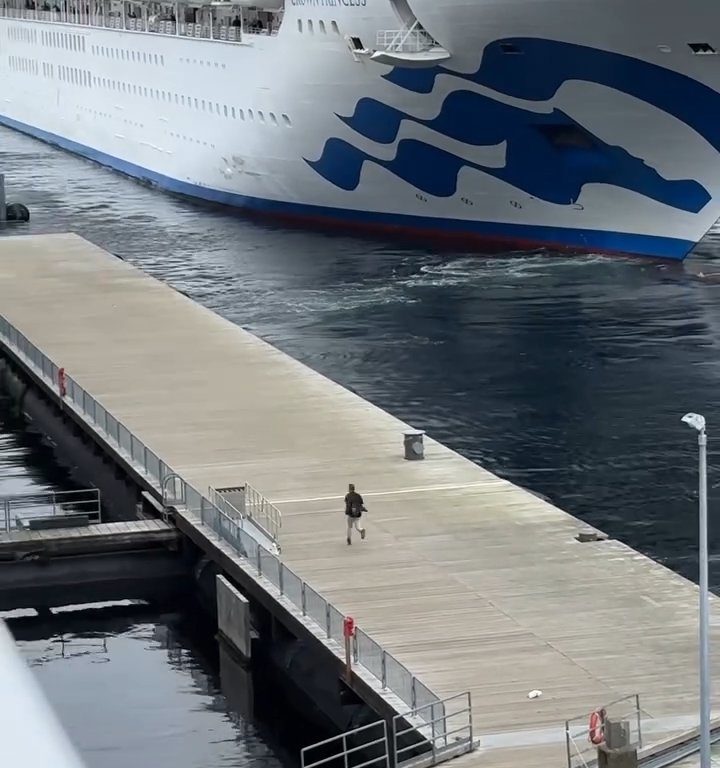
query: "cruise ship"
581, 125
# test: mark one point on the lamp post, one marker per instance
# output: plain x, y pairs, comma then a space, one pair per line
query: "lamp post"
697, 422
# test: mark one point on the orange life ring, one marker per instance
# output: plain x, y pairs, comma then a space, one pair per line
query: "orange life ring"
596, 727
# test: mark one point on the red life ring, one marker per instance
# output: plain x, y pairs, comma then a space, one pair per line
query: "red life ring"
596, 727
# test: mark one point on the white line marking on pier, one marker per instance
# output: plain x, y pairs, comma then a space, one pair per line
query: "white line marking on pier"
396, 492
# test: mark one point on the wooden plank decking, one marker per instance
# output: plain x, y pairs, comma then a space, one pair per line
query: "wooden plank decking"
468, 580
88, 539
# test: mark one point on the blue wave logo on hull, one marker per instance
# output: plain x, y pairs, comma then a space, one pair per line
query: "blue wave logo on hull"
548, 156
540, 67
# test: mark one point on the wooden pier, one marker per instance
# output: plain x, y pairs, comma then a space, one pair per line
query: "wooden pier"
469, 581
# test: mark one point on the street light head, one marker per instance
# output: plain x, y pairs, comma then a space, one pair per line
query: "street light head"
694, 420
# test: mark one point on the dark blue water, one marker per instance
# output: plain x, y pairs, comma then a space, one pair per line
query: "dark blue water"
146, 688
566, 375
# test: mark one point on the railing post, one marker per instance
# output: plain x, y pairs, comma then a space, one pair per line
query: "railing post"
413, 695
303, 599
567, 744
327, 618
639, 720
145, 458
470, 718
383, 669
281, 581
259, 562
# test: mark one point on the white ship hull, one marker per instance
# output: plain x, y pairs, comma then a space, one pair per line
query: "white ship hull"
588, 125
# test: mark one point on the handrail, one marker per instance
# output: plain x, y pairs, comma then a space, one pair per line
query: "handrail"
276, 577
580, 751
445, 734
408, 40
51, 504
254, 509
262, 511
376, 738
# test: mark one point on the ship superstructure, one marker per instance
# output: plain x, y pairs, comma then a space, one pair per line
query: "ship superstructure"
588, 125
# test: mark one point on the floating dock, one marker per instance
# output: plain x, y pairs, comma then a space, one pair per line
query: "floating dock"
102, 561
466, 580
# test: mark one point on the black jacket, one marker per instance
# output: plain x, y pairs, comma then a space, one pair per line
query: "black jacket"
353, 504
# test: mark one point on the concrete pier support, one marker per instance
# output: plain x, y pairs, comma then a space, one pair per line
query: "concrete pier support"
233, 616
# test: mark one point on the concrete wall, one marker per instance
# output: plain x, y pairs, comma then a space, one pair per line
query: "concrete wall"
233, 616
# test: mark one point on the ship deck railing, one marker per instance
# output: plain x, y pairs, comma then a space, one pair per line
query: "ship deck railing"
412, 39
217, 31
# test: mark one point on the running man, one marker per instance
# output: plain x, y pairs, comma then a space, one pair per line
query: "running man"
354, 507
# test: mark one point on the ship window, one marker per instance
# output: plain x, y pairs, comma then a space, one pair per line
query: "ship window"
310, 26
225, 110
702, 49
273, 119
232, 112
261, 117
567, 136
241, 113
300, 26
196, 104
334, 27
182, 100
509, 48
322, 27
177, 99
217, 108
250, 114
203, 103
